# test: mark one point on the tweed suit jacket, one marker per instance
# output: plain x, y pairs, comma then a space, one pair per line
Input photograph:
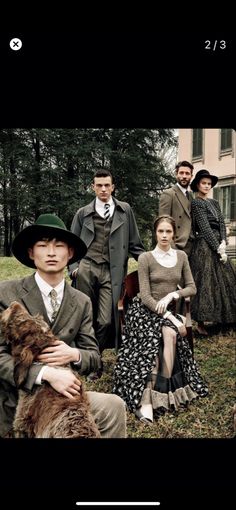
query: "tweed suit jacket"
173, 202
124, 239
73, 325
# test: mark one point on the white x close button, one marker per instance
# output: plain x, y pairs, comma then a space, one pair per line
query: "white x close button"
15, 44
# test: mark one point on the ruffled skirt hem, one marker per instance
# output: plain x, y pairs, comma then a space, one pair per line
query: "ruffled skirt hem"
171, 401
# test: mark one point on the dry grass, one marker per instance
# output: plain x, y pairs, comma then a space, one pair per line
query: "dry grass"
209, 417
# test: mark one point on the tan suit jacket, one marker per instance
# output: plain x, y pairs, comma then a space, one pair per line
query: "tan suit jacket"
73, 325
173, 202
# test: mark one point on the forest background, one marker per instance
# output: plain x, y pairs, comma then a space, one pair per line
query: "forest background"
51, 170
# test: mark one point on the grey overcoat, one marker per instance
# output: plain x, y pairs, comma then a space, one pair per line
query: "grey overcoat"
173, 202
124, 239
73, 325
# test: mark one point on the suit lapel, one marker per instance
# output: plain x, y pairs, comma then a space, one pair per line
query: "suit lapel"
66, 310
182, 199
32, 298
88, 216
191, 197
118, 220
118, 217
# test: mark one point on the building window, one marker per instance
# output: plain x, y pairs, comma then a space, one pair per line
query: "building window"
225, 140
197, 149
226, 196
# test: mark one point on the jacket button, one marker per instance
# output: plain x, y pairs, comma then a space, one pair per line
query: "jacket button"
71, 330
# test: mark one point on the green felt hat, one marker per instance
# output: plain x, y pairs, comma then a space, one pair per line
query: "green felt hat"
47, 226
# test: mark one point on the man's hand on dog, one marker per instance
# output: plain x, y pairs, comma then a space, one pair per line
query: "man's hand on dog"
63, 381
59, 354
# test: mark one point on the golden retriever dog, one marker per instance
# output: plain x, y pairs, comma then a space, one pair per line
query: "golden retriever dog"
42, 413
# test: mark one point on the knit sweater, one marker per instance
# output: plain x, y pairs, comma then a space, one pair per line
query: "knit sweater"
156, 281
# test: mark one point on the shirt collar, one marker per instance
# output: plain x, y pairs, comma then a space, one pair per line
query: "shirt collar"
162, 253
45, 288
182, 189
100, 203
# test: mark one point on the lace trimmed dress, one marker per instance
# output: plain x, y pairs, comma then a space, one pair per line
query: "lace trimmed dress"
136, 379
215, 300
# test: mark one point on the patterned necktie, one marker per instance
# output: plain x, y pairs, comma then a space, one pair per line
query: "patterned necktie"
107, 212
54, 303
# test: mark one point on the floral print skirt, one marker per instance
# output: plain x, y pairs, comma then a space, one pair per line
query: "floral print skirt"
141, 345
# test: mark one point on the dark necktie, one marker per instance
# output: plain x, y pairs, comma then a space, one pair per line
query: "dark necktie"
107, 212
54, 303
187, 194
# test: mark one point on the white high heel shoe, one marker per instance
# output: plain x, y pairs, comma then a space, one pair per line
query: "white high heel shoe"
145, 413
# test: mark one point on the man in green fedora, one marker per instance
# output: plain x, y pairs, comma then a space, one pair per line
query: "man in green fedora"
48, 246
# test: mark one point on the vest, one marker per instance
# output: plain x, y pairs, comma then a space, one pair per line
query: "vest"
98, 250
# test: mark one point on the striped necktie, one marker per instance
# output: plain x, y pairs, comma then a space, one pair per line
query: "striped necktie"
107, 212
54, 303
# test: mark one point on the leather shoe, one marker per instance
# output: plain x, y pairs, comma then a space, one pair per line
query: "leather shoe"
201, 332
93, 376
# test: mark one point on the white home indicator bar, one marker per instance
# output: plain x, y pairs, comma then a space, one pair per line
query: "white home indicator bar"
116, 503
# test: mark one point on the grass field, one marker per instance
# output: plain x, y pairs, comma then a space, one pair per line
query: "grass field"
209, 417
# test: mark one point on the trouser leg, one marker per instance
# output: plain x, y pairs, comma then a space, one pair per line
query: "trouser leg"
104, 311
95, 281
109, 412
86, 283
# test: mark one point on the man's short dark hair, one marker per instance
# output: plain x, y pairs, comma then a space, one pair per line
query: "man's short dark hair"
184, 163
102, 172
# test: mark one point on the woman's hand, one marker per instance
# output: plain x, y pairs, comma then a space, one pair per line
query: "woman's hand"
223, 258
222, 247
164, 302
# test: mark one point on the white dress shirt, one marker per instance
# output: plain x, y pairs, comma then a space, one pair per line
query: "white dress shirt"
99, 206
182, 189
45, 290
165, 258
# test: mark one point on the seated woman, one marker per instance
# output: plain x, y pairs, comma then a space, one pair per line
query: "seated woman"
155, 369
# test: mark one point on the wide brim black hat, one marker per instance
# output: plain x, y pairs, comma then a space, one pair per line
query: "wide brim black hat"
199, 175
48, 226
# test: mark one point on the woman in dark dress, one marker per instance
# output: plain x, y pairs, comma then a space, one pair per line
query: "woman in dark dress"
155, 370
213, 273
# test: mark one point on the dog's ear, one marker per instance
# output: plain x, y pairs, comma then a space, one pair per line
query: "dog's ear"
22, 365
20, 374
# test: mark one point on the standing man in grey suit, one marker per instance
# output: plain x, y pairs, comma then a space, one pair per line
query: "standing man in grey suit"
108, 228
176, 202
47, 246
